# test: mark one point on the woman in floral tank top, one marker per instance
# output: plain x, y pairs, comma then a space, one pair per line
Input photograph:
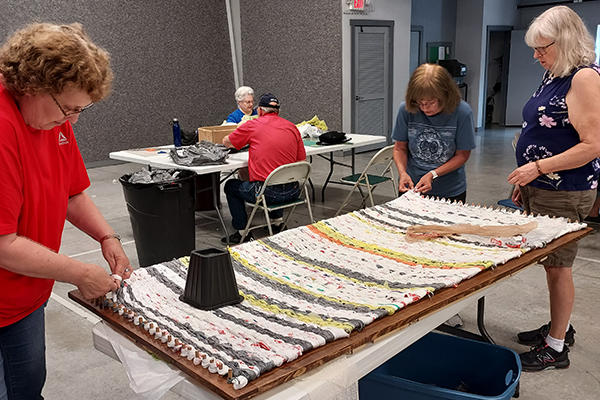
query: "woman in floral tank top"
557, 154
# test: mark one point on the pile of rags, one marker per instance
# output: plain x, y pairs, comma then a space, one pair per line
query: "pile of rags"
202, 153
312, 128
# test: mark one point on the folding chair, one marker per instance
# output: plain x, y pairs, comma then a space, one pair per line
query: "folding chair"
370, 181
299, 171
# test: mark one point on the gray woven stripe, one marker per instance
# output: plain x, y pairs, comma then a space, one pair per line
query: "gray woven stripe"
299, 294
205, 341
306, 346
177, 266
356, 324
325, 334
348, 273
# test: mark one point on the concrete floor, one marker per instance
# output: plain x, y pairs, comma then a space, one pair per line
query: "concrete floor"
77, 371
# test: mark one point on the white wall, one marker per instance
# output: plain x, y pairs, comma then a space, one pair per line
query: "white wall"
472, 20
437, 17
589, 12
398, 11
469, 50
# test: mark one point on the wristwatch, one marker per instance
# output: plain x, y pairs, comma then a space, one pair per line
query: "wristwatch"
435, 175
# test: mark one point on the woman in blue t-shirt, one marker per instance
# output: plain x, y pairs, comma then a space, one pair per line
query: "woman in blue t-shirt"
434, 135
558, 166
244, 95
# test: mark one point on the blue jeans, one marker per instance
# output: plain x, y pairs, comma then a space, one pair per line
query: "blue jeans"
23, 358
238, 192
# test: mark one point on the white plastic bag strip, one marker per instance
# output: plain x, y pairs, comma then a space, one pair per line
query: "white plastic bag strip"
149, 378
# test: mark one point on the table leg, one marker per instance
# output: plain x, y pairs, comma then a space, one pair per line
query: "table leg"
310, 182
483, 335
215, 188
328, 176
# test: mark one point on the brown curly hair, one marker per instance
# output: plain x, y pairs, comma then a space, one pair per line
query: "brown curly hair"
432, 80
45, 58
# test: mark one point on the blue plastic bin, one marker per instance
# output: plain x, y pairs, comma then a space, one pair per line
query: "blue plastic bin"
436, 365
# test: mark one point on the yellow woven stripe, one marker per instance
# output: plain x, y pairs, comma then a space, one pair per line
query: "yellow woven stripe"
401, 257
251, 267
347, 278
313, 319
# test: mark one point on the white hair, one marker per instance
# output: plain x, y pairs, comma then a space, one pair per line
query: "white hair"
268, 110
242, 92
574, 45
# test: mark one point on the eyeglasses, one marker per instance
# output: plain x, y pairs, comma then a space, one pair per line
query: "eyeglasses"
426, 103
543, 49
71, 112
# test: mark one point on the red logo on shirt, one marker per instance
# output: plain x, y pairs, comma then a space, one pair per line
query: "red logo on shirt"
62, 139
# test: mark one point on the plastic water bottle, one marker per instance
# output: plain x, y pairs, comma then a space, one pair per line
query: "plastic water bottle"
176, 133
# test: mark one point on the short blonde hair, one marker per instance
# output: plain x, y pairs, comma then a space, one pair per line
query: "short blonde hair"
45, 58
573, 43
432, 80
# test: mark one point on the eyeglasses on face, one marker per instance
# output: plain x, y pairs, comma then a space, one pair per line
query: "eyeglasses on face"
70, 113
542, 49
426, 103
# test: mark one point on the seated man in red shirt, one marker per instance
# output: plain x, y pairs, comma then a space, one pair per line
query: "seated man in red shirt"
273, 142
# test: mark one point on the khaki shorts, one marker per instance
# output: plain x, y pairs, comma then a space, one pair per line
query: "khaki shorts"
574, 205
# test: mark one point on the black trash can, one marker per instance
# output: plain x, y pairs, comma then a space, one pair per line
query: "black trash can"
162, 217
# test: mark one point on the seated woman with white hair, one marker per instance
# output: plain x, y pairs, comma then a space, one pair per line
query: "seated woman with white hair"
244, 96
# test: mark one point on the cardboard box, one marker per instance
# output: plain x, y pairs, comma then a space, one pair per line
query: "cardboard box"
215, 134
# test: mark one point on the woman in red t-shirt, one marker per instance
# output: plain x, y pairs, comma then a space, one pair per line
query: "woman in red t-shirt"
49, 75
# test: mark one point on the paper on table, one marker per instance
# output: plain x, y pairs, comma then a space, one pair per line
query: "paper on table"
149, 378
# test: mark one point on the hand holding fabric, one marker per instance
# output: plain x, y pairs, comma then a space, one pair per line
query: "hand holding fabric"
405, 183
95, 282
117, 259
424, 184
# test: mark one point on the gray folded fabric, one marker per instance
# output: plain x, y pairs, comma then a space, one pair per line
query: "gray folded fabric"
202, 153
154, 176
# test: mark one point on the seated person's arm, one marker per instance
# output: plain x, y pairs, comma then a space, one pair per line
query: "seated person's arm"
227, 142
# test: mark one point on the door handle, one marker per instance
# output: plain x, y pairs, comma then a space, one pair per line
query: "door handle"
359, 97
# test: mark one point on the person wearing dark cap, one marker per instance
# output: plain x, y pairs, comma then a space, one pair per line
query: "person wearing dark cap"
273, 141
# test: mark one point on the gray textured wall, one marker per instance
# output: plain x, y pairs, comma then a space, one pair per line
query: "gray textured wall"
294, 50
170, 59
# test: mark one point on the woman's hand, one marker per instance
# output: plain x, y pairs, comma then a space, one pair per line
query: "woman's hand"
405, 183
95, 282
424, 184
516, 197
524, 174
117, 259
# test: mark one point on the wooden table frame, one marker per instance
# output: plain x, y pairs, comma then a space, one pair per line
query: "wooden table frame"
317, 357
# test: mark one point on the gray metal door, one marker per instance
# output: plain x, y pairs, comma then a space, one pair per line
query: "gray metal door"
371, 79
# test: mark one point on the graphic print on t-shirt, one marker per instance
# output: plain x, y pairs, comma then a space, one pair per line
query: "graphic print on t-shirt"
62, 139
431, 146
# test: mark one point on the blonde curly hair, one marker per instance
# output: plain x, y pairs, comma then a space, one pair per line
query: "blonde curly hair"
44, 58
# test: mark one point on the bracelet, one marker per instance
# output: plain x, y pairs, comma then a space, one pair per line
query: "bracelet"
537, 164
111, 236
434, 174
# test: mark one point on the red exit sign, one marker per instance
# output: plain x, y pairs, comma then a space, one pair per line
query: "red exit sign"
358, 4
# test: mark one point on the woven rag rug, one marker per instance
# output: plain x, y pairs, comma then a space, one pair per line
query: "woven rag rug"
311, 285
